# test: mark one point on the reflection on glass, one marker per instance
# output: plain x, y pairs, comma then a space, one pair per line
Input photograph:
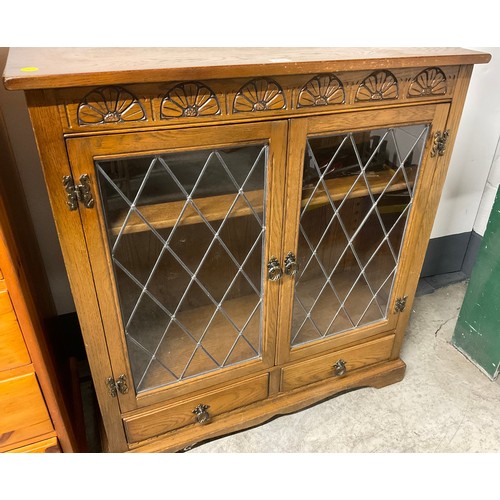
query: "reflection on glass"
186, 233
356, 197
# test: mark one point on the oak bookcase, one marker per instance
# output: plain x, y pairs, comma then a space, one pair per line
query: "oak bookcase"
243, 229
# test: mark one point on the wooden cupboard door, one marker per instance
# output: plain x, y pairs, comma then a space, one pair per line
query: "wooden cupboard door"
356, 183
181, 229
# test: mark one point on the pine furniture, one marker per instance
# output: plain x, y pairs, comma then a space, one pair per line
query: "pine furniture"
35, 415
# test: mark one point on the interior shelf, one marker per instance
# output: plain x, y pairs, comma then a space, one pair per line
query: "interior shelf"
340, 186
177, 347
165, 215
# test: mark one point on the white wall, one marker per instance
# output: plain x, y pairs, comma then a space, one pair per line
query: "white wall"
474, 150
490, 191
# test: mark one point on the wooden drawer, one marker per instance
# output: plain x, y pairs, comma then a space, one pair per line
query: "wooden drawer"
166, 418
13, 351
320, 368
23, 412
45, 446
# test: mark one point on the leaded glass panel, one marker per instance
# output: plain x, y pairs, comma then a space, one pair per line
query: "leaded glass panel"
357, 194
186, 233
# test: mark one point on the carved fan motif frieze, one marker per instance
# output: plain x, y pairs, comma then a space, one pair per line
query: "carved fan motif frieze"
430, 81
261, 94
189, 99
109, 104
379, 86
322, 90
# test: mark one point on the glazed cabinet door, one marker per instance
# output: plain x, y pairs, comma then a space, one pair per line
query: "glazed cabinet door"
179, 234
356, 185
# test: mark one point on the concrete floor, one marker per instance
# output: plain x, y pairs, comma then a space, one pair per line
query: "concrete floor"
444, 403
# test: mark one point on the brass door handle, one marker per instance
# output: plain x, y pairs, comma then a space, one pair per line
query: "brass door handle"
202, 415
274, 271
291, 265
339, 368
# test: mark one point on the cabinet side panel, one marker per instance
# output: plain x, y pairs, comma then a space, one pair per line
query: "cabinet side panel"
50, 142
436, 187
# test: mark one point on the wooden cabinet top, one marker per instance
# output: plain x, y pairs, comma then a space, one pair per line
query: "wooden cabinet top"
38, 68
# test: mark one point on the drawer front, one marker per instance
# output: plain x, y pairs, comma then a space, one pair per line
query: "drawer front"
170, 417
23, 412
322, 367
13, 351
45, 446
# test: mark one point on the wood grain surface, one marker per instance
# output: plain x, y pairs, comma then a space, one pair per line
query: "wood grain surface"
52, 151
26, 307
68, 67
13, 350
376, 376
161, 420
44, 446
423, 226
24, 414
320, 368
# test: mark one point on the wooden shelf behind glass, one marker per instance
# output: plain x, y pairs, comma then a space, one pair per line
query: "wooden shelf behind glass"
177, 347
165, 215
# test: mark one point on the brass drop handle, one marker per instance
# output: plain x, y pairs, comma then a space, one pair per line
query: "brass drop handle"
274, 271
339, 368
291, 265
202, 415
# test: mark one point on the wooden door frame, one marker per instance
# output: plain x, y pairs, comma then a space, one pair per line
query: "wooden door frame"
427, 217
82, 153
300, 129
45, 118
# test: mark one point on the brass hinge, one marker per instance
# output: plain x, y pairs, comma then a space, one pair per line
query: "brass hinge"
79, 192
439, 143
400, 304
120, 385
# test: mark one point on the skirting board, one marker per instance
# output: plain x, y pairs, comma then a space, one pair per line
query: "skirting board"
451, 254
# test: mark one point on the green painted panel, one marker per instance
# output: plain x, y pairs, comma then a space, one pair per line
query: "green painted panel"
477, 333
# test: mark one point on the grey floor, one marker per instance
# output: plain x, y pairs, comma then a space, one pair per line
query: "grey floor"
444, 403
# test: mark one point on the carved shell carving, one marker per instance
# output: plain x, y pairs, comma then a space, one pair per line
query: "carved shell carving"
380, 85
322, 90
261, 94
189, 99
430, 81
109, 104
